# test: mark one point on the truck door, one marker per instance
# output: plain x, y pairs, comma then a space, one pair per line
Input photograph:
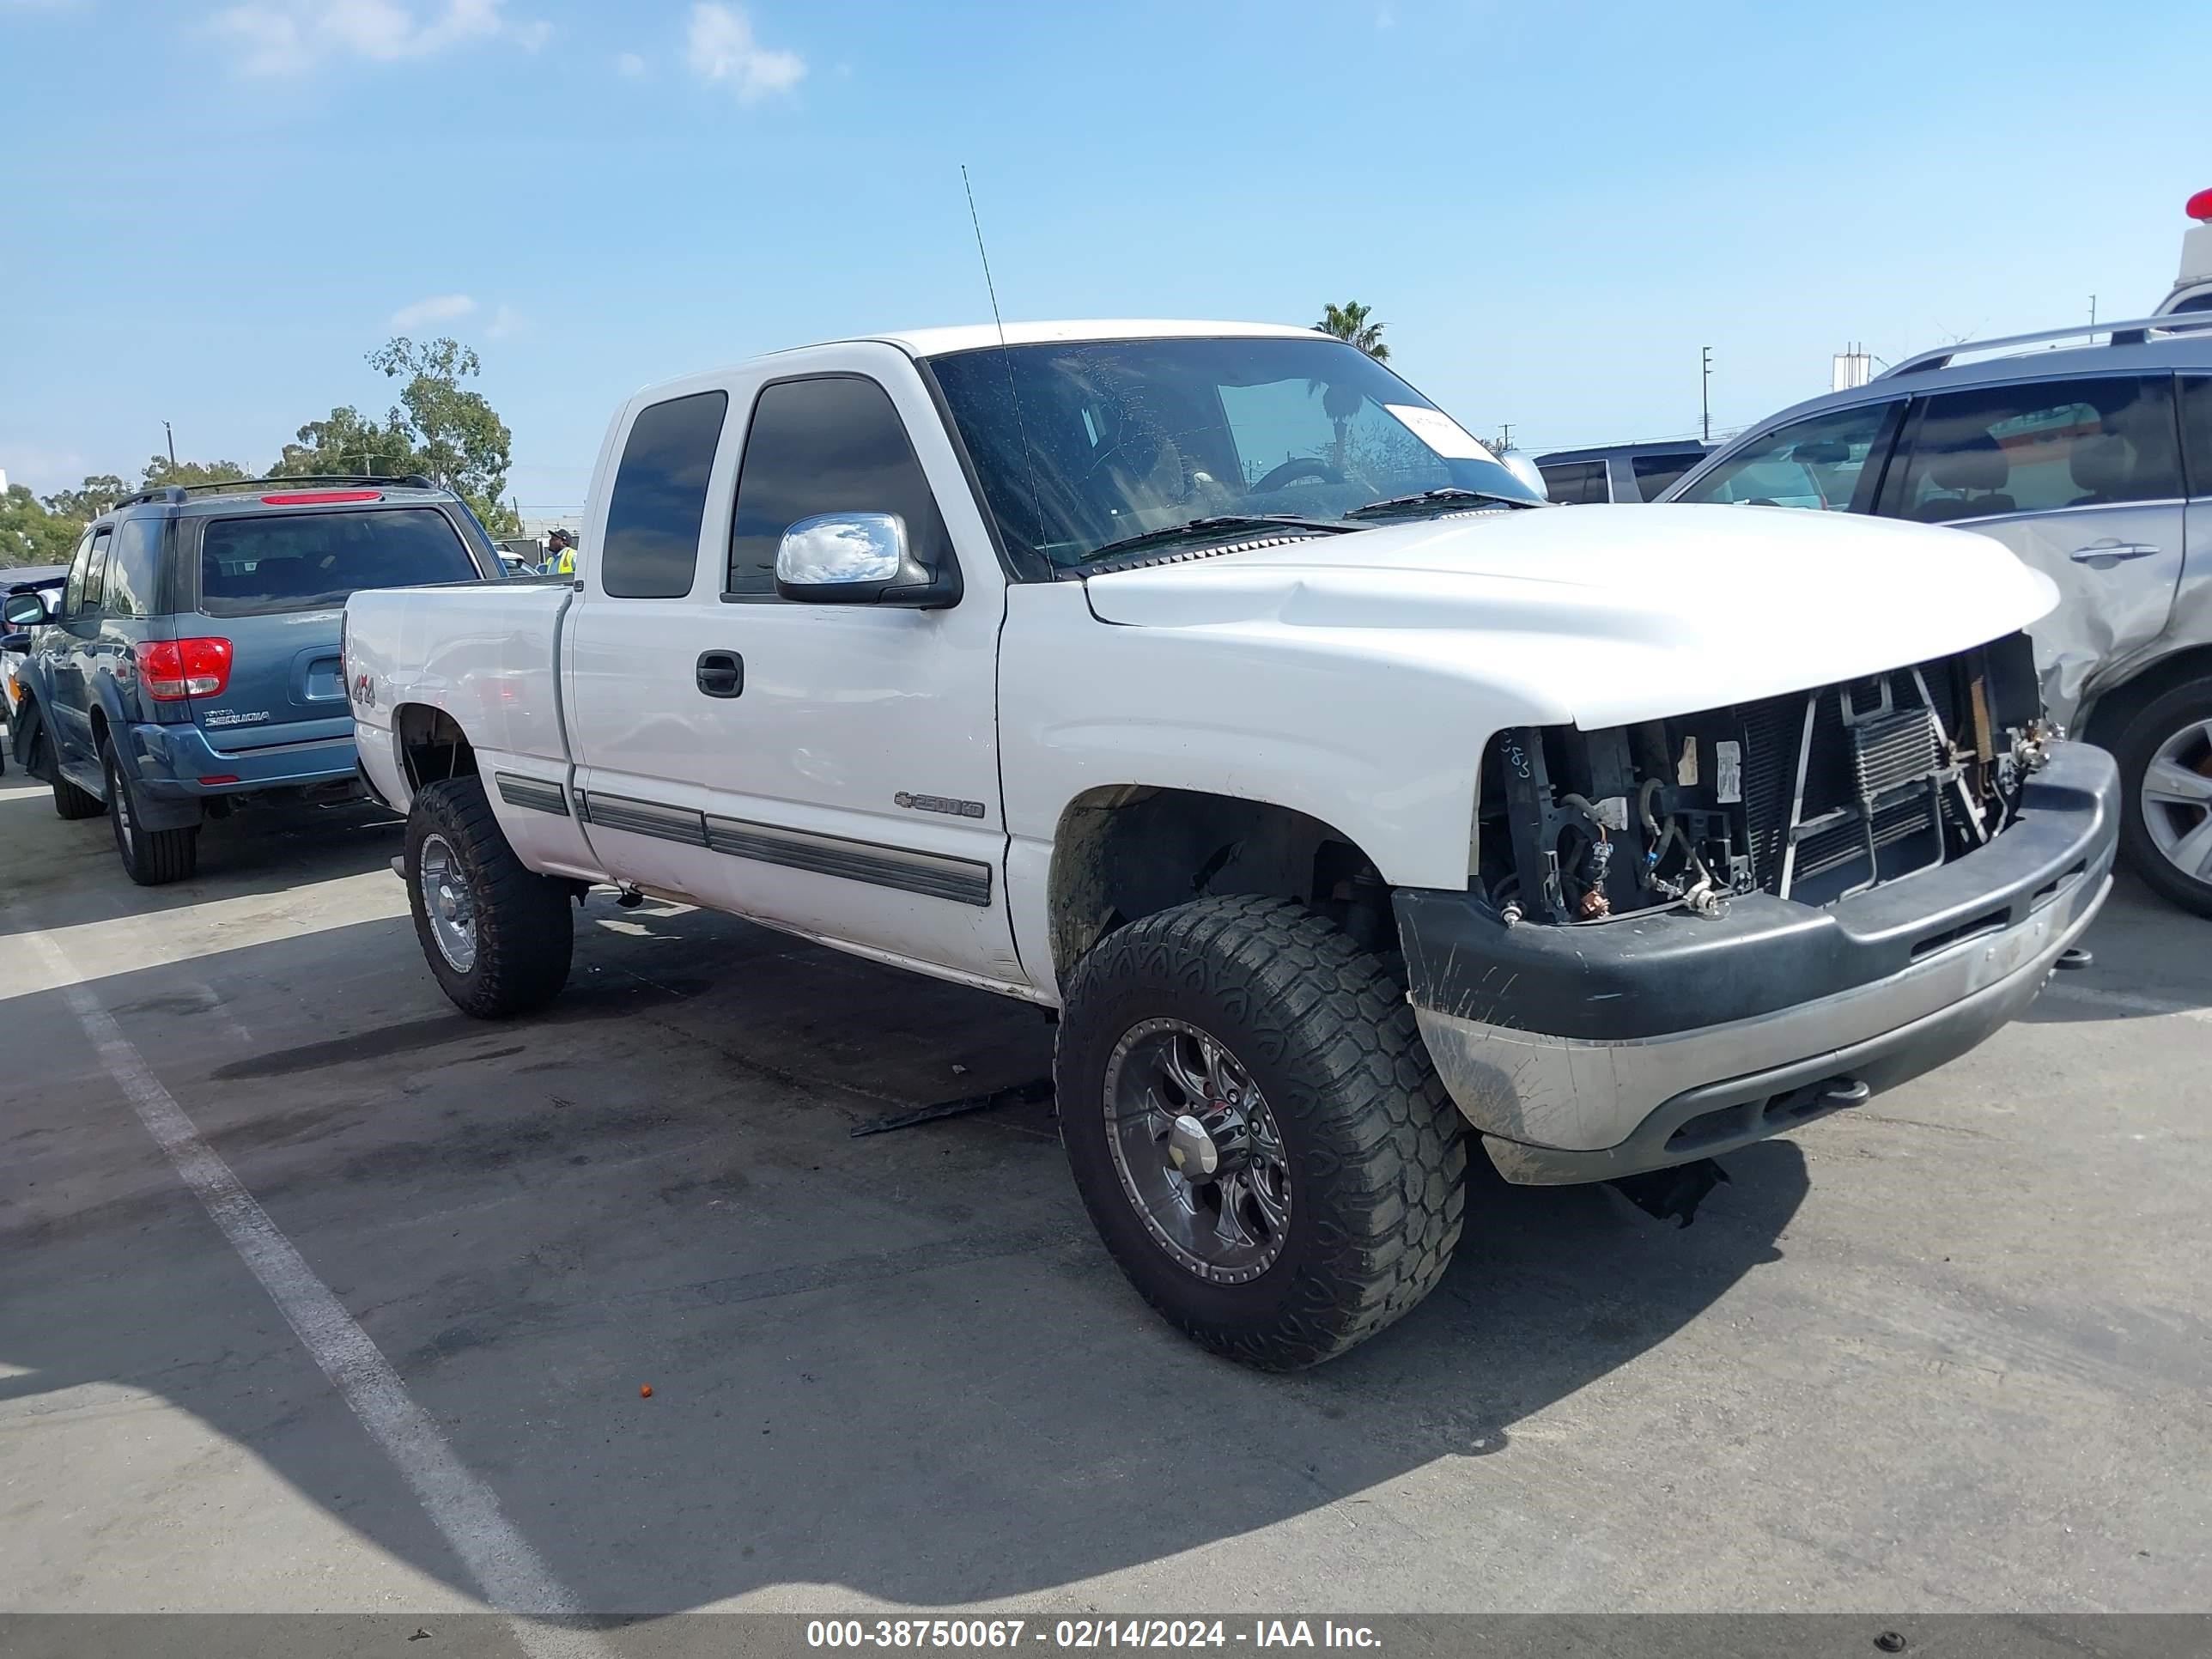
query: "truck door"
2082, 479
839, 763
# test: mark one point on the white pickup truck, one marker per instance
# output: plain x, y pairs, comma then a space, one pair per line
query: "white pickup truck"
1208, 686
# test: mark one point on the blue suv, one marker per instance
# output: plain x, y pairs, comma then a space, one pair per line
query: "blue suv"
193, 662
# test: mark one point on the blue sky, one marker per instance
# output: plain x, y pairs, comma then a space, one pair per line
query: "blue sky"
215, 208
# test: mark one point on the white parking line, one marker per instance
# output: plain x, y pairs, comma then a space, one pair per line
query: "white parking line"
2127, 1002
509, 1574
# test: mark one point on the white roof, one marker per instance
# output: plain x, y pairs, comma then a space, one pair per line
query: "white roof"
937, 342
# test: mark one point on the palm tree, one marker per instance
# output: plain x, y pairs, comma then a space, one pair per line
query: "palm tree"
1349, 323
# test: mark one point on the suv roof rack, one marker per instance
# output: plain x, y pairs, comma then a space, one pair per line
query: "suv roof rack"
2123, 333
184, 492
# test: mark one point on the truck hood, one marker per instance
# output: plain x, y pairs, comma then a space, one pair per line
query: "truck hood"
1605, 614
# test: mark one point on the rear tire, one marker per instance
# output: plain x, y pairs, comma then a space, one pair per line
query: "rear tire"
1324, 1065
2166, 819
497, 935
152, 858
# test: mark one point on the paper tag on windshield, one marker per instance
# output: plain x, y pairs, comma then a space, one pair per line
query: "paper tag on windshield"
1439, 432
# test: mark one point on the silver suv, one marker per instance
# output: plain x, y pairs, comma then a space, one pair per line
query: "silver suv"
2093, 463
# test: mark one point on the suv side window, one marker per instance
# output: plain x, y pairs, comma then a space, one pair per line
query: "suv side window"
134, 563
87, 576
2036, 448
831, 444
1655, 473
1829, 462
2197, 432
659, 499
1577, 483
80, 566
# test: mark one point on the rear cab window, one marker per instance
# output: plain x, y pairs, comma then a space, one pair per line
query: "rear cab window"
269, 563
658, 503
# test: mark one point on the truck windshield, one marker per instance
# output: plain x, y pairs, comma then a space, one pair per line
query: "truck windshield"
1082, 446
277, 561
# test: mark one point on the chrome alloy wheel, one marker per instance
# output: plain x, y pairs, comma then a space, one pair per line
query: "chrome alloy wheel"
1198, 1151
446, 900
2176, 799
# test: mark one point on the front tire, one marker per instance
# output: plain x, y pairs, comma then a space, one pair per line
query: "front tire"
2165, 754
1256, 1130
70, 801
497, 934
152, 858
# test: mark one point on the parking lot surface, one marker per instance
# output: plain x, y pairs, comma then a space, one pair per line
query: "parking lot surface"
1948, 1351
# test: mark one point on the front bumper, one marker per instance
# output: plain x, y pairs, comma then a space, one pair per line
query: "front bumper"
1586, 1053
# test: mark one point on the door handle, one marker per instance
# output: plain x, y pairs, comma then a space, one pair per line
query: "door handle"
2114, 552
721, 673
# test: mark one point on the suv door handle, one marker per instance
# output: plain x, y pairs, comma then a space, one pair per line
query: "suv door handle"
2097, 552
721, 673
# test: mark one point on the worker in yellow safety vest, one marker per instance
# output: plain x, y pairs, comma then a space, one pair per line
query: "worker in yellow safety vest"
561, 554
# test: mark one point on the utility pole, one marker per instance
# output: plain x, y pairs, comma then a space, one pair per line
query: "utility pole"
172, 446
1504, 436
2093, 313
1705, 397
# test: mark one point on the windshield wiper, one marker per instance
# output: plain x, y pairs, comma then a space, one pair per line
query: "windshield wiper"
1214, 525
1448, 496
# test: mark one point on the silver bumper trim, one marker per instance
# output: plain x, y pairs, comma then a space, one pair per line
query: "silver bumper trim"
1582, 1095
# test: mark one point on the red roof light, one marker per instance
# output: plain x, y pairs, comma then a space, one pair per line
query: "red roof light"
322, 497
2200, 206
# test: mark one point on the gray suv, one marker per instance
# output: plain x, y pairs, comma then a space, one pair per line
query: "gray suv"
2093, 463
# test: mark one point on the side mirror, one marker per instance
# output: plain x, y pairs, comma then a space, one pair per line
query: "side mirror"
859, 558
23, 611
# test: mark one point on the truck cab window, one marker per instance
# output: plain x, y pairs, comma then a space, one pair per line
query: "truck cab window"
651, 550
831, 444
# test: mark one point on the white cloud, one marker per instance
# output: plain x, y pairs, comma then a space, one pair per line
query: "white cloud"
283, 37
722, 48
438, 308
629, 65
506, 322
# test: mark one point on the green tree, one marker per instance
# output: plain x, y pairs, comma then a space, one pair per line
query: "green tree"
1349, 323
346, 443
161, 470
29, 534
90, 499
457, 438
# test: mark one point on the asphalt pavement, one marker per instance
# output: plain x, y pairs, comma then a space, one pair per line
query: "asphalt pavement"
1947, 1352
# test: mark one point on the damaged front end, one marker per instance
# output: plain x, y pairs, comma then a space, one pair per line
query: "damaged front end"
1814, 796
1686, 934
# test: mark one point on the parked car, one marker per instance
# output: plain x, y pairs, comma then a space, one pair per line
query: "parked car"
193, 663
2093, 463
1617, 473
1207, 686
45, 580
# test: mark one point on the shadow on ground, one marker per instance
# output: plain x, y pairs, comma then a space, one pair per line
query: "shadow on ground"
900, 1364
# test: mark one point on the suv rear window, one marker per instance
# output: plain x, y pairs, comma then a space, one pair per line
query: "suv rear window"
277, 561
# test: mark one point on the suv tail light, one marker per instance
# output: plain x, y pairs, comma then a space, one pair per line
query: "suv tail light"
172, 669
321, 497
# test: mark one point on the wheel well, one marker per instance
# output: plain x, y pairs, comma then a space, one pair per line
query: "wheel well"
2114, 709
432, 746
1130, 850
